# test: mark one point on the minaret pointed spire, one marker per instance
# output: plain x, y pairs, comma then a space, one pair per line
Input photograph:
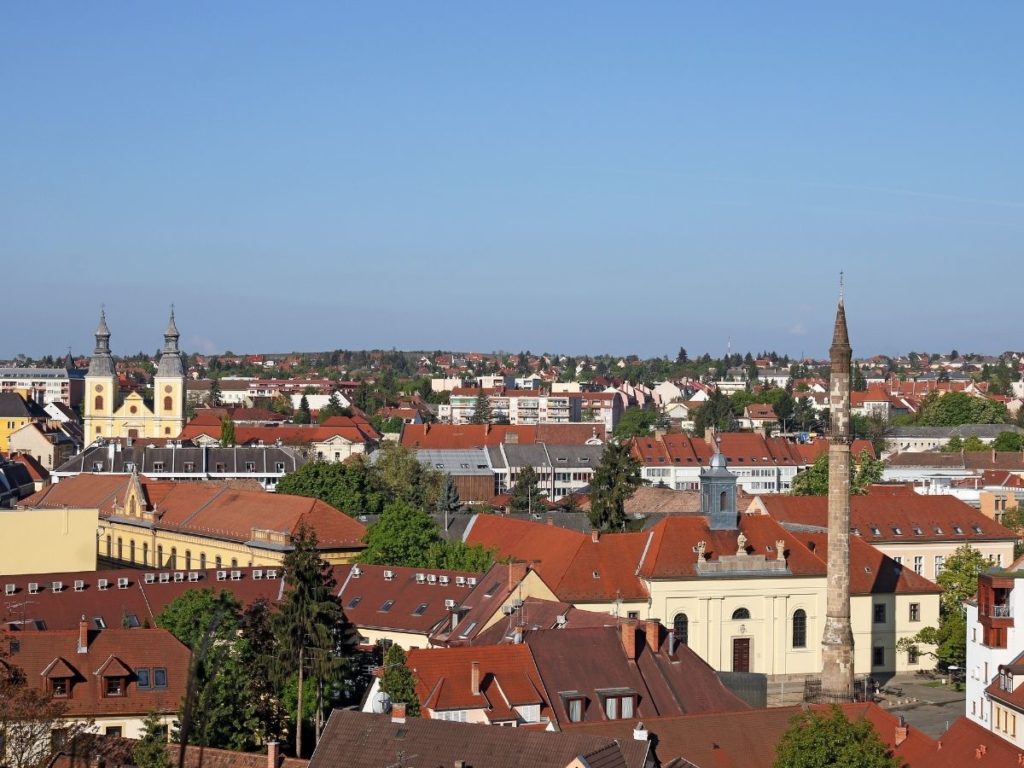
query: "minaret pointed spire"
172, 329
170, 363
101, 363
840, 335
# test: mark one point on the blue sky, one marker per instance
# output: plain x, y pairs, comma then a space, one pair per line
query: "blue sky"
578, 177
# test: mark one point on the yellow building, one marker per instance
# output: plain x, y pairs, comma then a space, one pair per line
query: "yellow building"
109, 415
197, 525
69, 533
16, 412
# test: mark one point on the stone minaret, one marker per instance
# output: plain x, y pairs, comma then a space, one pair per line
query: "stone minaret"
837, 641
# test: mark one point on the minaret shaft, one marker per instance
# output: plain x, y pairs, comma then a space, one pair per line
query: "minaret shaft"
837, 640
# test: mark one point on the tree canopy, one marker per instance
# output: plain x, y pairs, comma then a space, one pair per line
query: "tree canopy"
406, 535
828, 739
951, 409
813, 481
614, 481
635, 422
526, 493
398, 681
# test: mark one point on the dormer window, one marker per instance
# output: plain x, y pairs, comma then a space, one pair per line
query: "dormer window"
918, 531
875, 531
897, 531
618, 704
113, 686
60, 687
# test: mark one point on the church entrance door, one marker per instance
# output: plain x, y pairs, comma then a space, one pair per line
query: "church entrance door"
741, 654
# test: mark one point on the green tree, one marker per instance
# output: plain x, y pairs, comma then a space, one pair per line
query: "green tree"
955, 445
334, 407
457, 556
400, 537
151, 750
959, 581
717, 413
828, 739
526, 492
303, 415
190, 615
1008, 441
398, 681
448, 501
310, 627
399, 475
214, 396
348, 486
614, 481
635, 422
813, 481
682, 358
227, 432
481, 409
973, 444
951, 409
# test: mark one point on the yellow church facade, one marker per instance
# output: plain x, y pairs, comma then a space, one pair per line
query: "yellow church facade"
108, 415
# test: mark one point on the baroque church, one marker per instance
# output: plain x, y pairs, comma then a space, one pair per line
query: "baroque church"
108, 415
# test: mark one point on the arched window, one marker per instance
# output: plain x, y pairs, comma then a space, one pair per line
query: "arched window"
173, 562
168, 403
159, 556
218, 562
188, 559
98, 403
109, 550
202, 561
145, 553
681, 629
120, 548
723, 501
799, 628
131, 548
234, 562
740, 613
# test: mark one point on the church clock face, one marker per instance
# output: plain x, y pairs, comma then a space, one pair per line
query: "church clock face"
168, 389
99, 387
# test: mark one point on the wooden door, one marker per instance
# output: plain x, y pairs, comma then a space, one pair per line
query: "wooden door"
741, 654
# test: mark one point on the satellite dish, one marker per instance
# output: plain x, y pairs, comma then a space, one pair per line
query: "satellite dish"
381, 703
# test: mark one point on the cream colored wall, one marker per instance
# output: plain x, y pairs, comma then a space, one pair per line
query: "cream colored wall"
8, 426
710, 603
132, 726
29, 441
531, 586
117, 420
47, 540
169, 423
1007, 723
198, 545
405, 639
867, 634
640, 607
928, 551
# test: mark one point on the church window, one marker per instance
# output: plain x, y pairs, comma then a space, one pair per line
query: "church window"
159, 556
168, 403
681, 629
109, 546
740, 613
131, 549
120, 548
145, 553
173, 562
723, 501
133, 409
98, 403
800, 628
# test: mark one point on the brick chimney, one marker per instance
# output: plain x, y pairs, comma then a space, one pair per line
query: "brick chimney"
901, 731
273, 754
628, 630
516, 573
83, 635
398, 712
653, 631
474, 678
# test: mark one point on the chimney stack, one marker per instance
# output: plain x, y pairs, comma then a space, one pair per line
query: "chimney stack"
474, 679
653, 631
640, 732
516, 573
83, 635
398, 712
273, 754
901, 731
595, 535
628, 630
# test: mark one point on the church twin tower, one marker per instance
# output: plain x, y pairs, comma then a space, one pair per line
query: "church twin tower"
108, 415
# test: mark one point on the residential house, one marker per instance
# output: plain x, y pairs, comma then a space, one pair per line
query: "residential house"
338, 438
15, 413
759, 417
114, 677
360, 740
916, 439
50, 446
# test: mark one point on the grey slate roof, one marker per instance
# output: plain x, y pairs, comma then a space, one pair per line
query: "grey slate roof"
471, 461
13, 406
545, 455
143, 459
360, 740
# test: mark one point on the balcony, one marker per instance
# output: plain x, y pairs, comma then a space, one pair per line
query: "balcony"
1000, 612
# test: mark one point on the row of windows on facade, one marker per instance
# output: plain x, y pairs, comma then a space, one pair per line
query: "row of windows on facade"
146, 679
168, 403
172, 560
940, 562
681, 623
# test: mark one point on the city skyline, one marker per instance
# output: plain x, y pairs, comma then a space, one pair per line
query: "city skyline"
585, 178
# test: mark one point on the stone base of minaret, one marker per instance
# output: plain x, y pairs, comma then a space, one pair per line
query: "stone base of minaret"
837, 662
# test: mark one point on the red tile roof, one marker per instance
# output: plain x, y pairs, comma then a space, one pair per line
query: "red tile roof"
891, 508
113, 650
206, 508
